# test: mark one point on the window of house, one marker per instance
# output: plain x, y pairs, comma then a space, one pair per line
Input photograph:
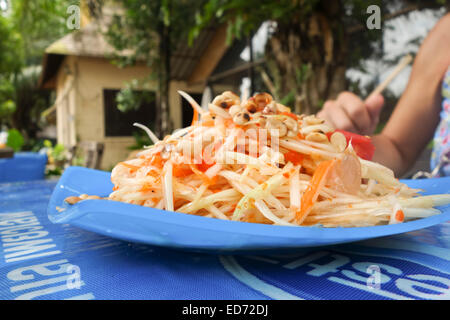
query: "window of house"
118, 123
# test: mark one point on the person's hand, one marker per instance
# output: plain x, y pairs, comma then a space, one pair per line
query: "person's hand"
348, 112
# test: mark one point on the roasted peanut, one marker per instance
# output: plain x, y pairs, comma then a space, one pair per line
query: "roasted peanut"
93, 198
270, 108
291, 124
251, 106
338, 141
72, 200
234, 110
226, 100
311, 120
241, 118
283, 108
276, 127
316, 137
262, 99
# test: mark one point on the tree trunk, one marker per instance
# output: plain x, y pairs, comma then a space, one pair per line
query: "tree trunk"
307, 58
164, 81
162, 117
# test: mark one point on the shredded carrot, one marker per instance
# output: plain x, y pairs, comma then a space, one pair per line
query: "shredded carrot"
156, 160
201, 174
399, 215
181, 171
312, 192
229, 122
217, 145
207, 159
115, 188
204, 166
209, 123
153, 173
290, 114
130, 166
146, 187
194, 117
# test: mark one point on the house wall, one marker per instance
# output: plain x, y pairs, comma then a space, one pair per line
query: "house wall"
92, 76
65, 96
80, 115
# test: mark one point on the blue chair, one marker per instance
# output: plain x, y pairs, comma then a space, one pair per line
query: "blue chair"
24, 166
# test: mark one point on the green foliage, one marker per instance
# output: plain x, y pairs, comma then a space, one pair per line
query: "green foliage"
11, 46
152, 30
15, 140
7, 104
246, 16
21, 103
141, 140
129, 99
139, 27
289, 99
57, 158
26, 29
39, 23
126, 100
57, 152
7, 108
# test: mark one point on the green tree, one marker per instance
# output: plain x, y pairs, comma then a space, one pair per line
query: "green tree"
152, 29
39, 23
11, 57
27, 27
10, 63
312, 43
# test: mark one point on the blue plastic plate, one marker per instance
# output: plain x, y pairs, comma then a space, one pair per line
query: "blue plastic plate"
178, 230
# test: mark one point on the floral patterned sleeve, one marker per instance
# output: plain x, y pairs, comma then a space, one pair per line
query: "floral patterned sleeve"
441, 141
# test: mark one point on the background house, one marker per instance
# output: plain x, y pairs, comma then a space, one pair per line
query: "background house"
79, 68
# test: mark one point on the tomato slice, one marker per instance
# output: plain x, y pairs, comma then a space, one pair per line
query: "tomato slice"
204, 166
181, 170
361, 144
294, 157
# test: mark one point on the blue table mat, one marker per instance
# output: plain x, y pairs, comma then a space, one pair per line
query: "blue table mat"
41, 260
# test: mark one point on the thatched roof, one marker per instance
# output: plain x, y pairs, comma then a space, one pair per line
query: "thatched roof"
87, 42
90, 41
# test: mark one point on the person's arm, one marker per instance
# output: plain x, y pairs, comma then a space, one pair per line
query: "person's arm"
416, 116
412, 124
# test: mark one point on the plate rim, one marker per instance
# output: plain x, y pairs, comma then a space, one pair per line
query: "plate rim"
235, 227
